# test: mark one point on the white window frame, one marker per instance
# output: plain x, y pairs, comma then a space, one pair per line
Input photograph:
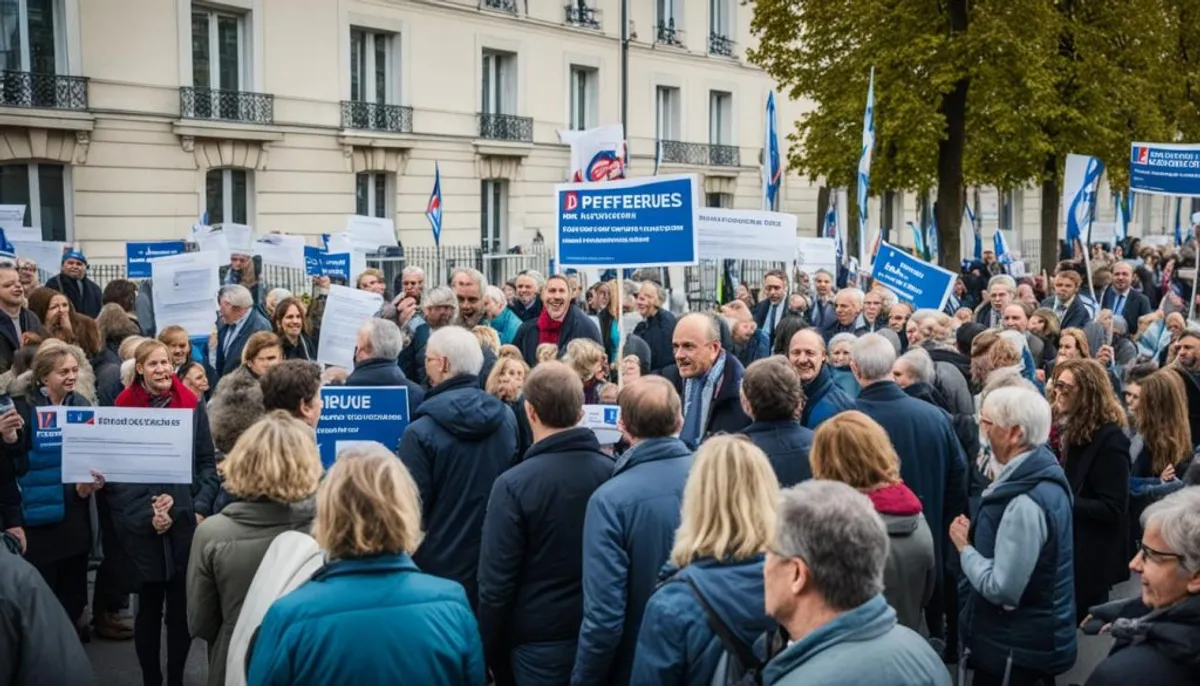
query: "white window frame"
720, 13
61, 59
720, 117
490, 238
666, 10
372, 190
243, 52
34, 208
583, 96
227, 193
498, 82
392, 66
666, 113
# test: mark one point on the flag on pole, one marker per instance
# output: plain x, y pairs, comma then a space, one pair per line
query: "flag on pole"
864, 173
918, 240
1179, 221
1122, 219
772, 170
433, 211
933, 242
976, 231
1001, 246
831, 225
1079, 216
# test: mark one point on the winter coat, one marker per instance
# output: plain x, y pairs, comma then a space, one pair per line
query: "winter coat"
676, 644
627, 535
231, 358
460, 439
226, 552
412, 358
1191, 384
530, 567
83, 293
965, 425
725, 413
384, 372
758, 347
658, 331
1160, 647
10, 342
106, 367
1099, 477
370, 620
844, 379
506, 324
575, 324
237, 403
305, 348
910, 573
823, 399
527, 313
786, 444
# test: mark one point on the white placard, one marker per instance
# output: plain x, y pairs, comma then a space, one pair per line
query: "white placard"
344, 243
11, 217
280, 249
23, 234
725, 234
345, 311
813, 254
602, 420
240, 237
371, 232
211, 240
185, 291
47, 254
126, 445
1103, 232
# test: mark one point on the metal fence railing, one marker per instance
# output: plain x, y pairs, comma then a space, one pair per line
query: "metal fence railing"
701, 281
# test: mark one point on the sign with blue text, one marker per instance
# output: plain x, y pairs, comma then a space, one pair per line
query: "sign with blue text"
631, 223
1165, 169
912, 280
138, 256
353, 415
318, 262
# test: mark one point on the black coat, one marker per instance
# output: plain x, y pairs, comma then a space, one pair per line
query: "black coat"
231, 359
725, 413
760, 314
527, 313
381, 371
1137, 305
1099, 476
10, 342
576, 324
1192, 385
1163, 648
107, 368
83, 293
657, 332
1076, 316
412, 358
786, 443
530, 569
304, 349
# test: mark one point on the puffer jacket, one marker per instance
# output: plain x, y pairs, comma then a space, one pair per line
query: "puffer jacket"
1160, 647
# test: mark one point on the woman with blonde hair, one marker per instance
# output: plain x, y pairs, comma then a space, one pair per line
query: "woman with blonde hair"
506, 379
421, 628
589, 361
546, 352
715, 566
272, 473
850, 447
488, 338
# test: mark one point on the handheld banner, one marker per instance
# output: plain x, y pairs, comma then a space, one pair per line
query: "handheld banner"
726, 234
912, 280
1165, 169
138, 256
318, 262
358, 415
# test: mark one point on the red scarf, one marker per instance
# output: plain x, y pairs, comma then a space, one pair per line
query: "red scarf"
136, 395
548, 328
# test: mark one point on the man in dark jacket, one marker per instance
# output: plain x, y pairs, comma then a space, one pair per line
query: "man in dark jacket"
72, 282
1123, 299
707, 378
16, 320
773, 307
530, 569
375, 353
1001, 291
1187, 365
657, 326
822, 397
528, 303
459, 441
559, 322
628, 531
771, 392
847, 314
238, 322
1066, 303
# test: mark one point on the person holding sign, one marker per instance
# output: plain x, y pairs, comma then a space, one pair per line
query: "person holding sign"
288, 320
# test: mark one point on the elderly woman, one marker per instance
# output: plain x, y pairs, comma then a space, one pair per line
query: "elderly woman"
237, 400
499, 316
587, 359
839, 362
369, 522
272, 473
714, 572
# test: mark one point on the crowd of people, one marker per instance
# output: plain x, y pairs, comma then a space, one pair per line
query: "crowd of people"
814, 483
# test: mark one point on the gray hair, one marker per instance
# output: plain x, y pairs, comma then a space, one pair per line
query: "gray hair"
659, 295
873, 357
841, 338
236, 295
886, 296
537, 277
474, 275
385, 337
1178, 520
413, 270
1022, 408
278, 294
1004, 280
1017, 340
712, 329
855, 294
494, 294
826, 272
1005, 377
920, 364
836, 532
460, 348
440, 296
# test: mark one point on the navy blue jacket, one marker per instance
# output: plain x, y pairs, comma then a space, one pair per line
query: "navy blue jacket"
1077, 315
760, 313
380, 371
459, 441
932, 463
530, 567
676, 645
786, 443
758, 347
725, 413
1039, 633
575, 325
526, 313
627, 535
412, 358
227, 361
1099, 477
658, 331
1137, 305
823, 399
84, 293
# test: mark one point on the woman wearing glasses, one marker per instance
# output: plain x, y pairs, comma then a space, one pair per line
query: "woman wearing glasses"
1095, 455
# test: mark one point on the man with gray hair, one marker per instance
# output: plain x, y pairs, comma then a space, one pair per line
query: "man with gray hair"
499, 316
440, 307
847, 314
1017, 556
657, 325
1001, 291
375, 359
459, 441
823, 583
528, 303
239, 321
468, 285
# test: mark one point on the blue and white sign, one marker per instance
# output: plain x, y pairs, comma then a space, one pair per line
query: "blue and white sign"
1165, 169
317, 262
138, 256
647, 222
354, 415
912, 280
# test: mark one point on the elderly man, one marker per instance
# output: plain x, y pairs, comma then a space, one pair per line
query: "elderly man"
823, 583
876, 303
375, 359
1122, 299
559, 322
707, 378
1016, 318
773, 306
749, 342
822, 396
238, 322
898, 315
528, 304
1000, 293
440, 307
847, 314
657, 325
411, 283
19, 324
1066, 303
459, 441
771, 392
629, 529
1017, 556
499, 316
73, 282
468, 285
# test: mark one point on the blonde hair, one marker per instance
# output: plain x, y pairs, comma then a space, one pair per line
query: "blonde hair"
129, 346
728, 503
258, 342
852, 448
492, 387
276, 458
546, 352
511, 352
368, 505
488, 338
582, 355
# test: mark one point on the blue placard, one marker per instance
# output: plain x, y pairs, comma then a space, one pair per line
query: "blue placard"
317, 262
912, 280
1165, 169
353, 414
138, 256
631, 223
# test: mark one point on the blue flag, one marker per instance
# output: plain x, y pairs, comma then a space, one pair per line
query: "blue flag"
864, 169
1178, 221
1001, 245
1083, 199
831, 225
1122, 217
433, 211
918, 240
975, 230
772, 170
933, 243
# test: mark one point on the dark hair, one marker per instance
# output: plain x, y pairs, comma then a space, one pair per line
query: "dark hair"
784, 331
187, 367
87, 334
1137, 372
650, 408
555, 393
772, 389
281, 309
122, 292
966, 334
289, 384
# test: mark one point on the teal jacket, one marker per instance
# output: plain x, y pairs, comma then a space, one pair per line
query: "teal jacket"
506, 324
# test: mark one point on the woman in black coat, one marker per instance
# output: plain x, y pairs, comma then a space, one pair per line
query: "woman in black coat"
1162, 447
288, 322
1095, 453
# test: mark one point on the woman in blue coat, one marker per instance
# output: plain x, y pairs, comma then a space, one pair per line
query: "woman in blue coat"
369, 616
728, 512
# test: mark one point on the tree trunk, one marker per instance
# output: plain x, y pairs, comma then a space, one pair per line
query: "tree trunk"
949, 209
1051, 199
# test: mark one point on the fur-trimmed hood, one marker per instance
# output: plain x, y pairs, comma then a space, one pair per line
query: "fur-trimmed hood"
237, 402
85, 385
116, 324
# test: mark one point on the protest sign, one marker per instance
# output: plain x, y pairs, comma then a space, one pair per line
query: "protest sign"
185, 291
912, 280
1165, 169
240, 238
126, 445
597, 154
725, 234
318, 262
282, 250
357, 415
815, 254
139, 255
345, 311
371, 233
602, 420
1103, 232
339, 243
646, 222
211, 240
23, 234
47, 254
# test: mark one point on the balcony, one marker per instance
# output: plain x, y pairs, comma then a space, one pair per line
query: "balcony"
719, 44
509, 6
222, 105
370, 116
48, 91
699, 154
505, 127
667, 34
579, 14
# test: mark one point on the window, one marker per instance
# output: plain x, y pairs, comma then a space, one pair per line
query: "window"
720, 27
372, 71
371, 195
499, 83
666, 125
720, 118
44, 189
718, 200
669, 22
584, 93
219, 49
227, 196
493, 219
1007, 210
32, 53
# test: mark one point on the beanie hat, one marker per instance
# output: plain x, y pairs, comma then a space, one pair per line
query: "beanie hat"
74, 255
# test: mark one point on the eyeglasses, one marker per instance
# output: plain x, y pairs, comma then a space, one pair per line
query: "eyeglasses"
1063, 386
1156, 556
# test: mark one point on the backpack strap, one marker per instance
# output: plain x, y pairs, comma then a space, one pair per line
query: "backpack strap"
732, 643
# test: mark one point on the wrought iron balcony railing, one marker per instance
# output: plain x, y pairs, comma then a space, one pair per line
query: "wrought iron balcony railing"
505, 127
699, 154
371, 116
50, 91
500, 5
579, 14
211, 103
666, 34
719, 44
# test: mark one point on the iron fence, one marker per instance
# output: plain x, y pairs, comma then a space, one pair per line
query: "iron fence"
701, 281
667, 34
52, 91
699, 154
505, 127
212, 103
579, 14
500, 5
719, 44
1031, 254
372, 116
